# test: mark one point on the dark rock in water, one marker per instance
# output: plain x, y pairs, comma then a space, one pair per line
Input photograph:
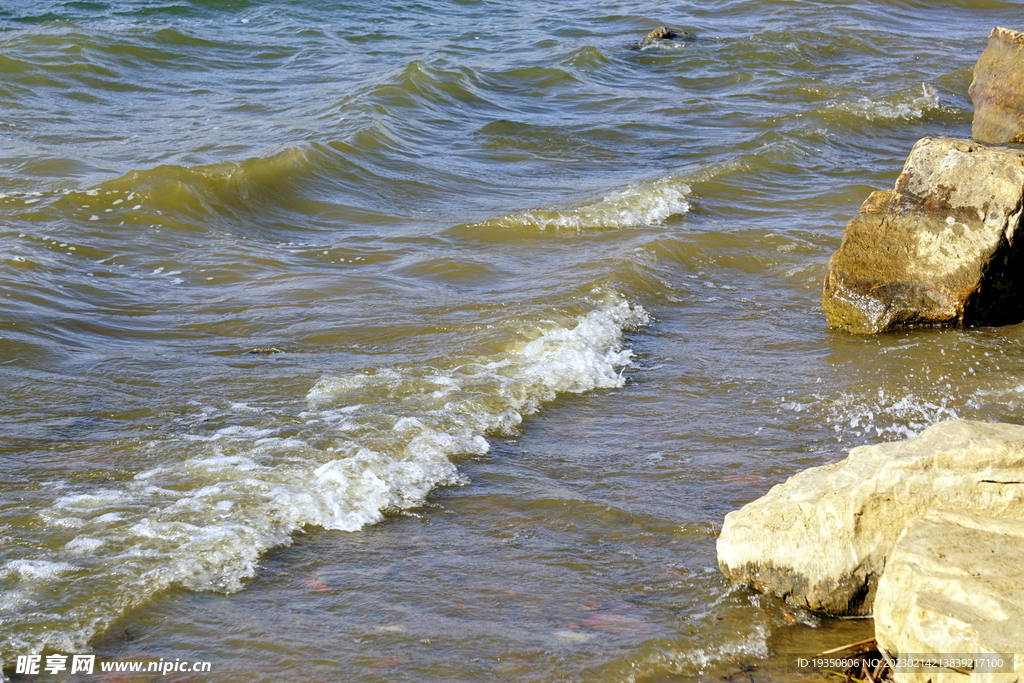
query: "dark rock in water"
660, 33
663, 33
998, 89
944, 247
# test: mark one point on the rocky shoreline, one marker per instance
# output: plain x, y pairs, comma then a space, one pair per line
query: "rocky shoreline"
926, 535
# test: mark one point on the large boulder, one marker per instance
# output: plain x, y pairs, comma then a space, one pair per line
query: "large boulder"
953, 587
998, 89
941, 248
820, 540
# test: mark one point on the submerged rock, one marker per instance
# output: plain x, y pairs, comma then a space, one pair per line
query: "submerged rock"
941, 248
998, 89
663, 33
952, 587
821, 539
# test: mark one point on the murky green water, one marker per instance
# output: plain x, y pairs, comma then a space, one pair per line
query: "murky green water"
432, 342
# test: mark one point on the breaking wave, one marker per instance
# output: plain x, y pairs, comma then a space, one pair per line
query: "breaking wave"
904, 107
366, 445
649, 203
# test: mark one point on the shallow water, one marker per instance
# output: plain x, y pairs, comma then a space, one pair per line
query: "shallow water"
434, 341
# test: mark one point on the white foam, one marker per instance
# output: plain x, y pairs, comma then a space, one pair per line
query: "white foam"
34, 570
642, 204
237, 430
222, 462
333, 386
384, 440
663, 46
890, 416
904, 108
90, 501
83, 545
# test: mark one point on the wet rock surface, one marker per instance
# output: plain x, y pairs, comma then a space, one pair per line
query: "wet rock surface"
821, 539
998, 89
663, 34
660, 33
943, 247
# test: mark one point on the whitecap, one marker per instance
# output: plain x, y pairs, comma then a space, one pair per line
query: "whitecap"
649, 203
378, 442
907, 107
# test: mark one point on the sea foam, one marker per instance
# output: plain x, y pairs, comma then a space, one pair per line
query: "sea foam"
373, 443
650, 203
905, 107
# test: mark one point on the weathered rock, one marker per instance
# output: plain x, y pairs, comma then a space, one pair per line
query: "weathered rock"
820, 540
954, 585
944, 247
998, 89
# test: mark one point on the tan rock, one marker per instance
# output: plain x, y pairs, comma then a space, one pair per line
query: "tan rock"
954, 586
998, 89
941, 248
820, 540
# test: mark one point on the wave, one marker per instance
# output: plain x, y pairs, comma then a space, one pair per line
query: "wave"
907, 106
418, 85
229, 188
365, 445
311, 187
736, 637
650, 203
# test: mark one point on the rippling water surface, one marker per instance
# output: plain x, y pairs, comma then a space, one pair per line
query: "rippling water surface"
432, 341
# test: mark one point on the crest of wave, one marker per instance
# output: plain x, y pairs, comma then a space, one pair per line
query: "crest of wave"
904, 108
369, 444
430, 415
641, 204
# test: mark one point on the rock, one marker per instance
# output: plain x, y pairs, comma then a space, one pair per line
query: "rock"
820, 540
663, 33
941, 248
953, 586
998, 89
660, 33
